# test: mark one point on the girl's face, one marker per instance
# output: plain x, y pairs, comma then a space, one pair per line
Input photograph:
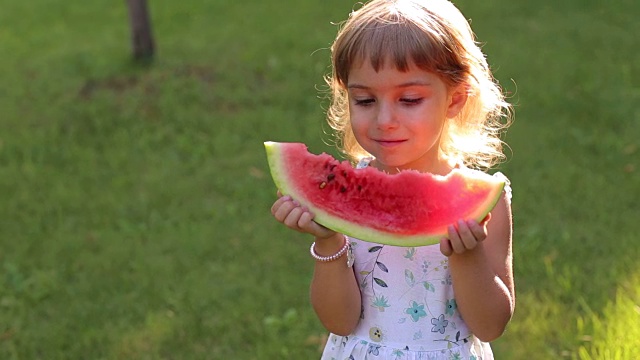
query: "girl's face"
398, 116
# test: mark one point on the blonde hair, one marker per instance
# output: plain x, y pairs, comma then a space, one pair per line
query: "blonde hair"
436, 37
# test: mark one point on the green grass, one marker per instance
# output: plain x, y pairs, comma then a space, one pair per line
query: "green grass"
135, 198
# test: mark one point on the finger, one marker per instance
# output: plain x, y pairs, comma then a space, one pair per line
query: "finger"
307, 224
445, 247
466, 236
479, 231
292, 218
281, 209
276, 205
456, 242
279, 202
306, 221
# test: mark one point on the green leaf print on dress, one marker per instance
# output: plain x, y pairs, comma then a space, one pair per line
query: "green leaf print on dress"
409, 277
429, 286
380, 302
380, 282
377, 265
410, 253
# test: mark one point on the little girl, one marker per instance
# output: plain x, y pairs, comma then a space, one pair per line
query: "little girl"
412, 90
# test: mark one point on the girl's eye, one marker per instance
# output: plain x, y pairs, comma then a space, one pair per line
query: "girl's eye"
411, 101
364, 102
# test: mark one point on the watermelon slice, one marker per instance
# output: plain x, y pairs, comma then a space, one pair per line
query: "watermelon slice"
405, 209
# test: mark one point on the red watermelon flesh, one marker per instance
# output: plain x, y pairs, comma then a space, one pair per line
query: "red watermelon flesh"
405, 209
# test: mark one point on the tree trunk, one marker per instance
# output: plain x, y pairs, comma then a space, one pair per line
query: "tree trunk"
141, 34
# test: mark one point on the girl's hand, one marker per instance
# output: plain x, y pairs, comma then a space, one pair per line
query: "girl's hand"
289, 212
465, 236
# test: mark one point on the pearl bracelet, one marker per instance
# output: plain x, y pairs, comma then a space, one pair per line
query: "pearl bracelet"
333, 257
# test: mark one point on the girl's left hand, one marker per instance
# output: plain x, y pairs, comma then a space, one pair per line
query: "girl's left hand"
465, 236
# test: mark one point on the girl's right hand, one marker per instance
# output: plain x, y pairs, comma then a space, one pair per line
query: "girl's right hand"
289, 212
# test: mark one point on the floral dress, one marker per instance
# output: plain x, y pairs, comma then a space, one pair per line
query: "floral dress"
409, 309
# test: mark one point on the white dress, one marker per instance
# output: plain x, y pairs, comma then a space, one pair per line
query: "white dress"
409, 309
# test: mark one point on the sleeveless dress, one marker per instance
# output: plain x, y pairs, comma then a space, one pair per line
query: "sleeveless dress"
409, 309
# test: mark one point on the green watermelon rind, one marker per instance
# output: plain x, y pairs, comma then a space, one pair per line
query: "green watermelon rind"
276, 166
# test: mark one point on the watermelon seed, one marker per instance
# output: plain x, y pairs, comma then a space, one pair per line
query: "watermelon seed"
343, 189
359, 187
322, 185
331, 177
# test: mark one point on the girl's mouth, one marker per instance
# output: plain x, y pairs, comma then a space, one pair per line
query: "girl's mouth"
389, 143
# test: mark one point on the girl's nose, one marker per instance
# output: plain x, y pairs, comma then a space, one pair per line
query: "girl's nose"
386, 117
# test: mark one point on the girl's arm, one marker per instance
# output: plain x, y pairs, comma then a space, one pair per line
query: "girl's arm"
480, 260
335, 295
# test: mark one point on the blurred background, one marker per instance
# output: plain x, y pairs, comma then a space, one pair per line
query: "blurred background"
135, 194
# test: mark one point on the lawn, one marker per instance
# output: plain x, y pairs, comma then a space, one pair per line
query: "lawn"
135, 197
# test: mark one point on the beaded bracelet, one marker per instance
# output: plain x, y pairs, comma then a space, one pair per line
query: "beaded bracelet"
333, 257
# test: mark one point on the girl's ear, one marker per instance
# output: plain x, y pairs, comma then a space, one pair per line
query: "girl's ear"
457, 99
